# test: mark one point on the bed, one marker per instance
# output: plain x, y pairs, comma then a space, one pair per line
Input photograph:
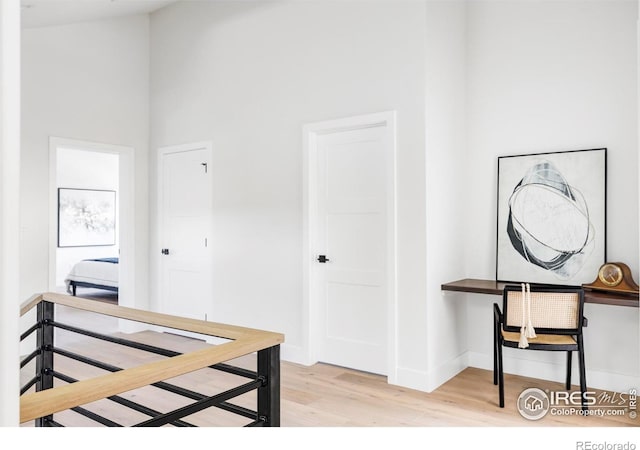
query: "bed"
99, 273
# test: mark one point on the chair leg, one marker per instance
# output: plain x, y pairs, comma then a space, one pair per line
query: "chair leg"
583, 375
568, 383
495, 354
500, 375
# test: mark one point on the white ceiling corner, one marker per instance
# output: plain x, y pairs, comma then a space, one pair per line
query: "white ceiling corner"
40, 13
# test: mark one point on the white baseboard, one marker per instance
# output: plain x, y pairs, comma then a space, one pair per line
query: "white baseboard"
446, 371
411, 379
427, 381
294, 354
608, 381
596, 379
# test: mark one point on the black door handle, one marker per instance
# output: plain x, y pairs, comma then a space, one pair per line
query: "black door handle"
322, 259
165, 251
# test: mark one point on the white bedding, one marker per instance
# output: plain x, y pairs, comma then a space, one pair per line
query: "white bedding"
94, 272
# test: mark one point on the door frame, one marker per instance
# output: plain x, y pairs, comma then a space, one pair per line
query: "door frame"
126, 211
179, 148
311, 275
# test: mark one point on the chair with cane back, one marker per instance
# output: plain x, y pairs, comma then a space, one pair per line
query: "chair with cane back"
540, 318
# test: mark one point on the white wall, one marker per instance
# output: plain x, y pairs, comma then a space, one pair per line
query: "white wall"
501, 78
446, 187
248, 76
90, 82
85, 169
552, 76
9, 209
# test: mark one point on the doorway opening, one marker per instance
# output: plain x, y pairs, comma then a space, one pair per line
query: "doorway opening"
91, 220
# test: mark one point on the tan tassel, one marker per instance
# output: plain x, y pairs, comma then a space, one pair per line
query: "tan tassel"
531, 332
523, 343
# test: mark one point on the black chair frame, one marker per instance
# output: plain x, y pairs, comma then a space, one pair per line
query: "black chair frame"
499, 341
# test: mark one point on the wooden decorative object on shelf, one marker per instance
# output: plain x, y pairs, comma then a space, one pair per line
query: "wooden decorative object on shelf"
614, 277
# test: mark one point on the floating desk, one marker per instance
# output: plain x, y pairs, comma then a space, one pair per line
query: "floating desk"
495, 288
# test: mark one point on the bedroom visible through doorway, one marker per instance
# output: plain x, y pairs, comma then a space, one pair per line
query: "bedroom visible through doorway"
87, 252
89, 232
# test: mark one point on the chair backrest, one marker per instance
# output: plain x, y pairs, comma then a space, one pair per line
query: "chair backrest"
553, 309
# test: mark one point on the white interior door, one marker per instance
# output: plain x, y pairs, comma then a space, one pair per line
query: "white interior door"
352, 187
185, 211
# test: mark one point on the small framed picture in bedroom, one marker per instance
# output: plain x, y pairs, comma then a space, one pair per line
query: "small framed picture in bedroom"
86, 217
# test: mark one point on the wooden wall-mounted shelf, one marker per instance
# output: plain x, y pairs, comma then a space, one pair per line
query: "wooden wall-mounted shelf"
492, 287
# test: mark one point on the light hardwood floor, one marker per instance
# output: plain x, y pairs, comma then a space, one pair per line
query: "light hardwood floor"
318, 396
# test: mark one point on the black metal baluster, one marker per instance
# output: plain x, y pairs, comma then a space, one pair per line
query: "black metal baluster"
44, 362
269, 392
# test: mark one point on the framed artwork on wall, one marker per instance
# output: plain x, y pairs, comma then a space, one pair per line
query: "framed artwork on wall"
551, 217
86, 217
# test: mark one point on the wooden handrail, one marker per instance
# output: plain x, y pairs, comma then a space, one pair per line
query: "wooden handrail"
29, 304
148, 317
244, 341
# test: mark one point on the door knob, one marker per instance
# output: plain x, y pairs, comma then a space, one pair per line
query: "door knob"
322, 259
165, 251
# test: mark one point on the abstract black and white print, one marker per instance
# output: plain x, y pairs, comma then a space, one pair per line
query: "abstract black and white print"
551, 217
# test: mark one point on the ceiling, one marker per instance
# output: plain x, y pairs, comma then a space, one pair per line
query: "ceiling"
40, 13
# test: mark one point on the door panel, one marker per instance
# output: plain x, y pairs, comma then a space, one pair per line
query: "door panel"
186, 194
346, 303
352, 229
354, 240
